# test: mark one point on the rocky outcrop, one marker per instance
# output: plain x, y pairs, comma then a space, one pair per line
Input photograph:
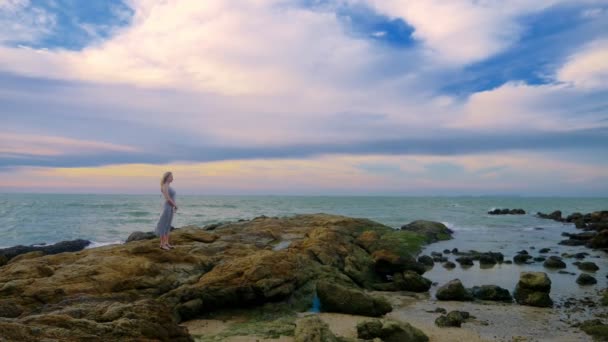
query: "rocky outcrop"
129, 291
533, 289
389, 331
6, 254
507, 212
556, 215
599, 241
453, 290
434, 231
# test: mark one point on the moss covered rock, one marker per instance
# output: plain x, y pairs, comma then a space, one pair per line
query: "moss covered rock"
434, 231
533, 289
390, 331
453, 290
313, 329
336, 298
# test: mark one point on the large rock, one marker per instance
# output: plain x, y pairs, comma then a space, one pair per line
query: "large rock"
453, 290
491, 292
411, 281
588, 266
313, 329
556, 215
336, 298
600, 240
585, 279
137, 291
533, 289
434, 231
390, 331
59, 247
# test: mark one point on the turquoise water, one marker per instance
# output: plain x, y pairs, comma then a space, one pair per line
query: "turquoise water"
105, 219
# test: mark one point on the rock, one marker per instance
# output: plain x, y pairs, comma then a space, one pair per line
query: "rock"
585, 279
595, 328
583, 236
544, 250
491, 292
454, 250
390, 331
600, 240
449, 265
574, 217
313, 329
540, 259
508, 262
572, 242
434, 231
137, 292
60, 247
588, 266
465, 261
554, 262
446, 251
523, 251
412, 281
556, 215
533, 289
452, 319
137, 236
507, 212
521, 258
487, 259
426, 260
453, 290
336, 298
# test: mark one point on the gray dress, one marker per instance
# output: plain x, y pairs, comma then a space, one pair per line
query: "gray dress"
166, 216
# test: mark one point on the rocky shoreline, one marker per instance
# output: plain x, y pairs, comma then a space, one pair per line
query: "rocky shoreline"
260, 279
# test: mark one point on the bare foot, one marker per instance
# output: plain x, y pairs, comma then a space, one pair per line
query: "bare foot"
165, 248
170, 246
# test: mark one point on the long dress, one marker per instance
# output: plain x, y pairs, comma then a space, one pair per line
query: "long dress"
166, 216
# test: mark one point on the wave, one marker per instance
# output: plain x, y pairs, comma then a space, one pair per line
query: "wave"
95, 244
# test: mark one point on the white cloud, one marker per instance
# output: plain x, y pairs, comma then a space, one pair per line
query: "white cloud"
461, 32
21, 22
587, 68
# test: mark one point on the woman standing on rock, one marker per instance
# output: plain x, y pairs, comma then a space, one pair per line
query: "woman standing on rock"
169, 207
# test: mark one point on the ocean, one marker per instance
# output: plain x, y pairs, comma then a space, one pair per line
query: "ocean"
108, 219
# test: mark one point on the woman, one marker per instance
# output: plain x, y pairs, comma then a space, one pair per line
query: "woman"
164, 223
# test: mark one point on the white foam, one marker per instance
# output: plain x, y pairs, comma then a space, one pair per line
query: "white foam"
95, 244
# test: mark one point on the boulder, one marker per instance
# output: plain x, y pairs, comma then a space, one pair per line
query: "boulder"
412, 281
586, 279
452, 319
544, 250
487, 259
588, 266
137, 236
390, 331
465, 261
453, 290
491, 292
556, 215
554, 262
449, 265
600, 240
521, 258
533, 289
434, 231
313, 329
337, 298
426, 260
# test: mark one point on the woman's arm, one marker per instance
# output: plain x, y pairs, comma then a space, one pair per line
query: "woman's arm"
165, 192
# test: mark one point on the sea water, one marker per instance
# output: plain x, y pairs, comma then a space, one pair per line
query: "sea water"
107, 219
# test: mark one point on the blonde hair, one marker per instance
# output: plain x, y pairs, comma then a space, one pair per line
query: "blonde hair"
163, 180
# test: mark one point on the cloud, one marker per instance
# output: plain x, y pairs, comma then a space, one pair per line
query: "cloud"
21, 146
587, 68
23, 23
461, 32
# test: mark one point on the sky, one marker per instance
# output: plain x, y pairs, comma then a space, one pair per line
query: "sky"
305, 97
